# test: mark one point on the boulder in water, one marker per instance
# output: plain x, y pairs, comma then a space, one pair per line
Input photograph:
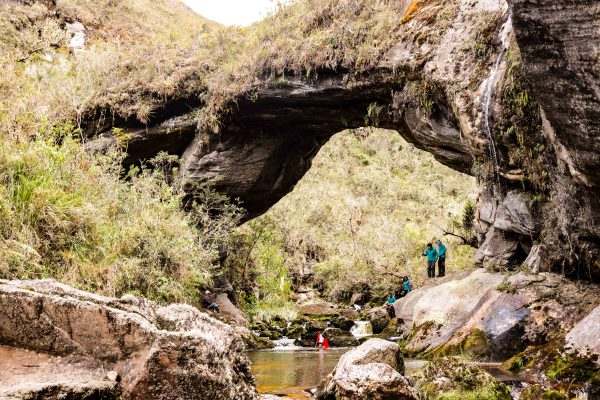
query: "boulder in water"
372, 371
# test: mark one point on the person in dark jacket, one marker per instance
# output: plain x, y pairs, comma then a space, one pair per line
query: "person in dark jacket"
208, 302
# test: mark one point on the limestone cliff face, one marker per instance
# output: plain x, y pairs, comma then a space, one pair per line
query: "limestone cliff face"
505, 93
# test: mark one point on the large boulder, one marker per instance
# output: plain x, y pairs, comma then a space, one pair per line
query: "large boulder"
157, 352
372, 371
379, 318
439, 311
229, 310
487, 314
584, 338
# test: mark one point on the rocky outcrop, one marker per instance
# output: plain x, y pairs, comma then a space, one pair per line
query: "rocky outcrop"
371, 371
491, 315
155, 352
379, 318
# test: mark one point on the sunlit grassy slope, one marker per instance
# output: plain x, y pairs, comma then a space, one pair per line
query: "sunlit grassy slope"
365, 211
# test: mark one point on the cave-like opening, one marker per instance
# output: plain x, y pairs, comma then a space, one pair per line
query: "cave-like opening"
356, 223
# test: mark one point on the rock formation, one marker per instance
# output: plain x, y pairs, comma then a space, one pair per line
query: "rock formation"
371, 371
67, 342
455, 85
491, 315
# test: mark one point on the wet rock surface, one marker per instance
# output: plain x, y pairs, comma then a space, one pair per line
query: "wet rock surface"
158, 352
379, 318
371, 371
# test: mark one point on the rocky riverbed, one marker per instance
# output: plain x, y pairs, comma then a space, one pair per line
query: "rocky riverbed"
58, 341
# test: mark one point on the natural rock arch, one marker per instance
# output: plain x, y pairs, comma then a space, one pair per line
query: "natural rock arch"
439, 93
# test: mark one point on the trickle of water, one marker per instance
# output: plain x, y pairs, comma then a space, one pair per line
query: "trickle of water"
487, 101
361, 329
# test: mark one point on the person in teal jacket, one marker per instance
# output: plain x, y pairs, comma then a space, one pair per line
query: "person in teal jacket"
432, 257
441, 249
391, 299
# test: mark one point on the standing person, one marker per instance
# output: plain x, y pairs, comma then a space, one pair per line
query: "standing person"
432, 257
209, 302
441, 249
407, 286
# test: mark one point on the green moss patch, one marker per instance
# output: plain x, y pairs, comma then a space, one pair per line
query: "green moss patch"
452, 379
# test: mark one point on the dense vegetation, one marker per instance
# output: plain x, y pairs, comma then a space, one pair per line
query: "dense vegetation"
79, 217
366, 209
68, 214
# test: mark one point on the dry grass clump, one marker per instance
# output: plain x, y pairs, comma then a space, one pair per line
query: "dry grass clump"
141, 53
366, 209
67, 214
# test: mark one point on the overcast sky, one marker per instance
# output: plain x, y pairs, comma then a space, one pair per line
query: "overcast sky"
233, 12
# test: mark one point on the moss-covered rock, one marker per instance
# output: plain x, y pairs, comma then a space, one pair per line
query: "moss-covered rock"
254, 342
475, 345
452, 379
573, 368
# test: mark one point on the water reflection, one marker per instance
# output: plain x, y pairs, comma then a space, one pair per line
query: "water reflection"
292, 373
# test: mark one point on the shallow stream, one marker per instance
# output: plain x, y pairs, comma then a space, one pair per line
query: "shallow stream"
293, 371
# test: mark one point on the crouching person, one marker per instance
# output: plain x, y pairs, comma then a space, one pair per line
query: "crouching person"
208, 302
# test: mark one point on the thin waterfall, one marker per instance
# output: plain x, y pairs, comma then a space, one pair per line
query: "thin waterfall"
361, 329
487, 101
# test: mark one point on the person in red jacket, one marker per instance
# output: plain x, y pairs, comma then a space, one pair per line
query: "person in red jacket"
321, 341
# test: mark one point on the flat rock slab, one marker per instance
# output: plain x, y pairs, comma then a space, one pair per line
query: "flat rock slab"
29, 375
